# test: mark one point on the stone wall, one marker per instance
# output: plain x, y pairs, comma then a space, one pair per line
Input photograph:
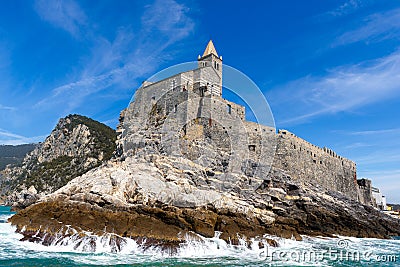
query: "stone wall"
365, 191
320, 166
179, 116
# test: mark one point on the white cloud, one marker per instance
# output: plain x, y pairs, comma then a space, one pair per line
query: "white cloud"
388, 175
378, 26
378, 157
64, 14
376, 132
169, 18
8, 134
108, 55
357, 145
342, 89
129, 56
346, 8
70, 96
8, 138
2, 107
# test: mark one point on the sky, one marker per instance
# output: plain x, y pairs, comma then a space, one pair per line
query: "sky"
330, 70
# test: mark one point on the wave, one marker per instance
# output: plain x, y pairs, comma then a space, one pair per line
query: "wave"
111, 249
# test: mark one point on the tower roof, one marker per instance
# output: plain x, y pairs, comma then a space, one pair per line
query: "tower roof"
210, 49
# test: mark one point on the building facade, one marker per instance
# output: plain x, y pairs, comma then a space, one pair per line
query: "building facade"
185, 115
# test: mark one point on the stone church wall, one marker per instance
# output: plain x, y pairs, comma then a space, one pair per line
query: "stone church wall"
172, 109
320, 166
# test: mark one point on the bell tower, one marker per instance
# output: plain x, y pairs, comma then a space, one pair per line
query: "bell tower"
211, 59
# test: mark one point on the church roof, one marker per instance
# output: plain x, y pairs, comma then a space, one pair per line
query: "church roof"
210, 49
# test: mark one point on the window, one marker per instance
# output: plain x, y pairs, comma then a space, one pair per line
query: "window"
229, 108
252, 148
173, 84
175, 108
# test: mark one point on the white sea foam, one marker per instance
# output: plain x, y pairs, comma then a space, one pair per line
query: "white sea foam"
103, 250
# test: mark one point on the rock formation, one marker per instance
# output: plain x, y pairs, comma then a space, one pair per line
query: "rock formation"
76, 145
160, 200
186, 165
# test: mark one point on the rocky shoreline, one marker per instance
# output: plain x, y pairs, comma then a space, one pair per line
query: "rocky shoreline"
158, 205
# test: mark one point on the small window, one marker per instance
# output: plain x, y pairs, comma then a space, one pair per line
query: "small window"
229, 108
175, 108
252, 148
173, 84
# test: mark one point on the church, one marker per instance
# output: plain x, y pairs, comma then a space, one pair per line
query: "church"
185, 115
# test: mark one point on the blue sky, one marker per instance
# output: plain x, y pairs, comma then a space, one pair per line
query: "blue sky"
329, 69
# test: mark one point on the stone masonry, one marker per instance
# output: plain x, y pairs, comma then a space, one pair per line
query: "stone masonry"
185, 116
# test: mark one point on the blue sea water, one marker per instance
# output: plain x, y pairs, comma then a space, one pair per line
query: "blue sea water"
342, 251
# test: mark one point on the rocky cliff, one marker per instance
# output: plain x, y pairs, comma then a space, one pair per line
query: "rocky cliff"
76, 145
160, 199
186, 165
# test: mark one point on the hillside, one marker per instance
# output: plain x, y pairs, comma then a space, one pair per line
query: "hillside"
76, 145
14, 154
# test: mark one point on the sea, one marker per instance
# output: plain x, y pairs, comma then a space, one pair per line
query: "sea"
201, 251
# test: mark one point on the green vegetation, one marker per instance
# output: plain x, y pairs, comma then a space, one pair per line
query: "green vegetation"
14, 154
105, 136
53, 174
56, 173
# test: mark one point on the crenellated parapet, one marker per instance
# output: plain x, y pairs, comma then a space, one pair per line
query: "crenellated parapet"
309, 163
185, 115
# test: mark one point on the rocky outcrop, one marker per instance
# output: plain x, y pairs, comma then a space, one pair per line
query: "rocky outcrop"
76, 145
23, 199
186, 166
159, 200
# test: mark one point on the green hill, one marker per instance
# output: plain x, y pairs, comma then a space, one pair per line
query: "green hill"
14, 154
